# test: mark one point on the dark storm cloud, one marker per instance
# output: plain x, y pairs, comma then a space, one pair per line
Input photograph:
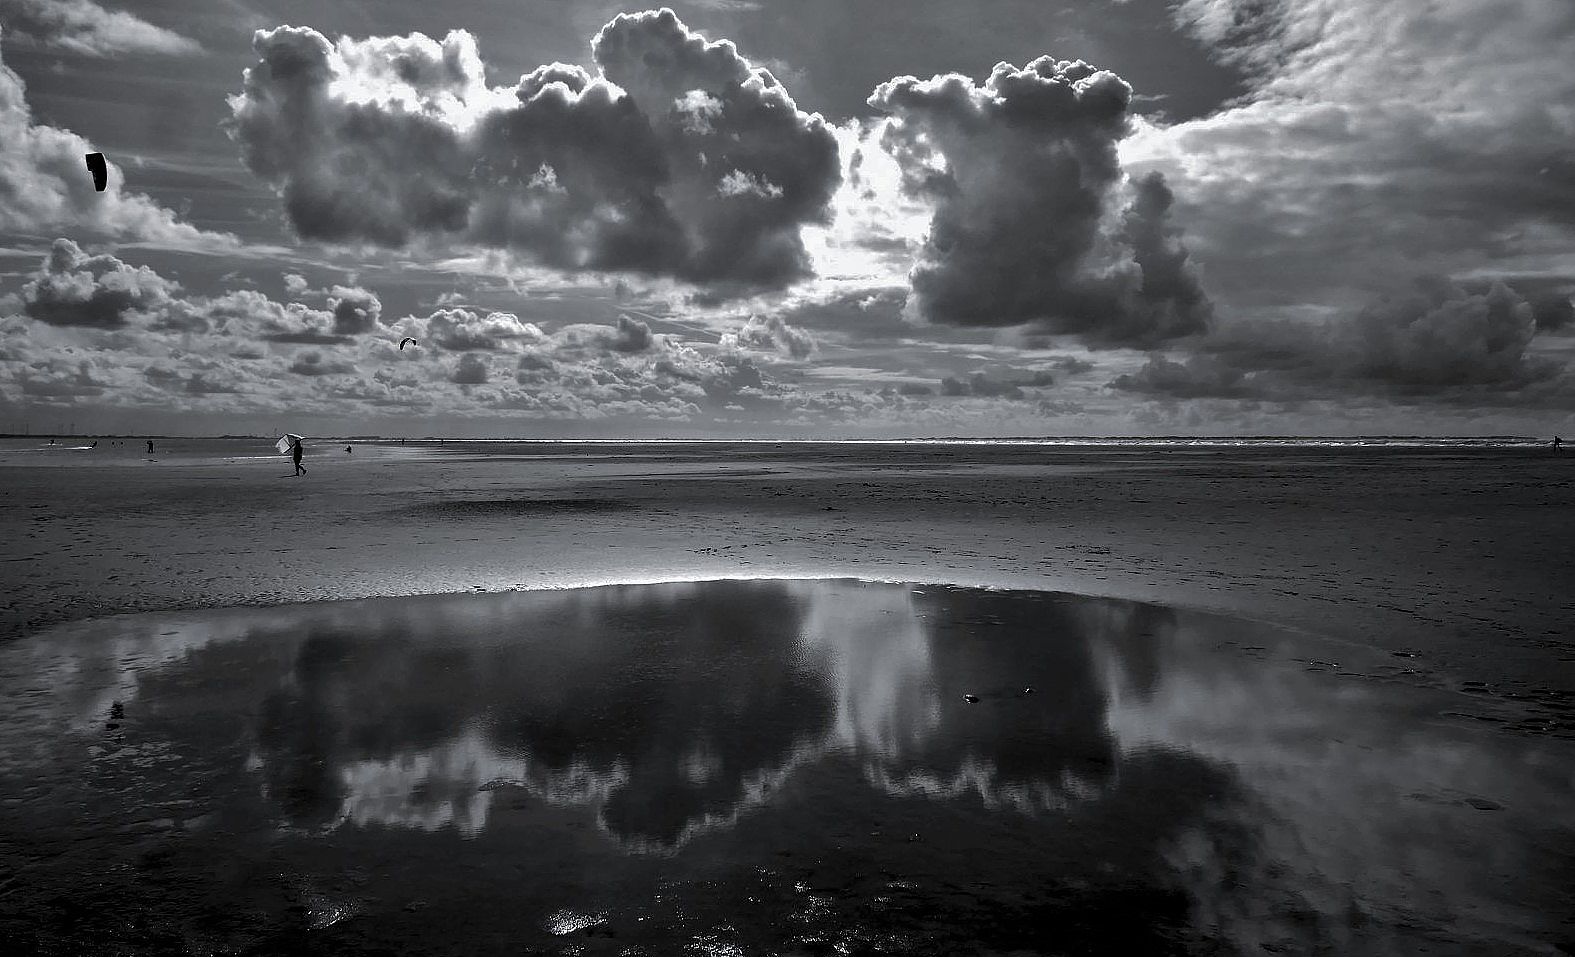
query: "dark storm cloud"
1023, 175
677, 158
76, 289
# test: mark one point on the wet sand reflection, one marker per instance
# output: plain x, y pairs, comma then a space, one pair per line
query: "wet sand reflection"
762, 765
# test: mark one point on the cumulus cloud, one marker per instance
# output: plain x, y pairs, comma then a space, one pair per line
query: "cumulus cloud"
981, 385
461, 330
81, 26
1554, 313
1024, 178
1434, 340
984, 386
631, 335
470, 370
1440, 336
770, 334
58, 377
1196, 377
73, 288
315, 364
589, 371
677, 157
355, 310
44, 185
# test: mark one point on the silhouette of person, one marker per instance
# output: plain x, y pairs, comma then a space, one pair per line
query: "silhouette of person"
347, 450
150, 446
295, 450
1557, 442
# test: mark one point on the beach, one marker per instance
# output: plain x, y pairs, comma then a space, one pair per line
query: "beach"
777, 698
1460, 555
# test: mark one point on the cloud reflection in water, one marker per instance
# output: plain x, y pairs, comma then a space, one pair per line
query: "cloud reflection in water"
1189, 770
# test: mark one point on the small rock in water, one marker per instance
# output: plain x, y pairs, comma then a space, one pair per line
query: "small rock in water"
971, 698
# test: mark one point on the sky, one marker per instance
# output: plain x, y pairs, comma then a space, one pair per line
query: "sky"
816, 219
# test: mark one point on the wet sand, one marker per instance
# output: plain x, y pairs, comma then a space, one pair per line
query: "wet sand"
1460, 558
761, 767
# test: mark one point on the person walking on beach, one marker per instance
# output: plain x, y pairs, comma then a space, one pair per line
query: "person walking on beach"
1557, 443
150, 446
295, 450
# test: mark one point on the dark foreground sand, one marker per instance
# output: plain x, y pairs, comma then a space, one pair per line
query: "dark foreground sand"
1464, 558
1371, 752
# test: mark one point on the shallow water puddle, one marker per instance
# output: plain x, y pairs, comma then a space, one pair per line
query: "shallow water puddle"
758, 767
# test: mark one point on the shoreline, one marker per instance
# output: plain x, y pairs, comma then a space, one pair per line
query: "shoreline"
1458, 560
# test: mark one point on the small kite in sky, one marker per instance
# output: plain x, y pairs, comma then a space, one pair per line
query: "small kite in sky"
405, 340
100, 171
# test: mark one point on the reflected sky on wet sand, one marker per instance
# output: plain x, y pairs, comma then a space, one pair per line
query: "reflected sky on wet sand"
761, 767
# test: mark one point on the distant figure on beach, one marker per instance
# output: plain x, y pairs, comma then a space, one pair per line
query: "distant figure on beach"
150, 446
295, 450
1557, 443
347, 450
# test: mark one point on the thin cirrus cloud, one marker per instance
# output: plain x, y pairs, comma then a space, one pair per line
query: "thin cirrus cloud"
84, 27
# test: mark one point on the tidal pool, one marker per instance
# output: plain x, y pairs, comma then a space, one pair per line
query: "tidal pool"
762, 767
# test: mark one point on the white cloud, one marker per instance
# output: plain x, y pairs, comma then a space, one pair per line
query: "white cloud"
1381, 138
84, 27
45, 186
676, 158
